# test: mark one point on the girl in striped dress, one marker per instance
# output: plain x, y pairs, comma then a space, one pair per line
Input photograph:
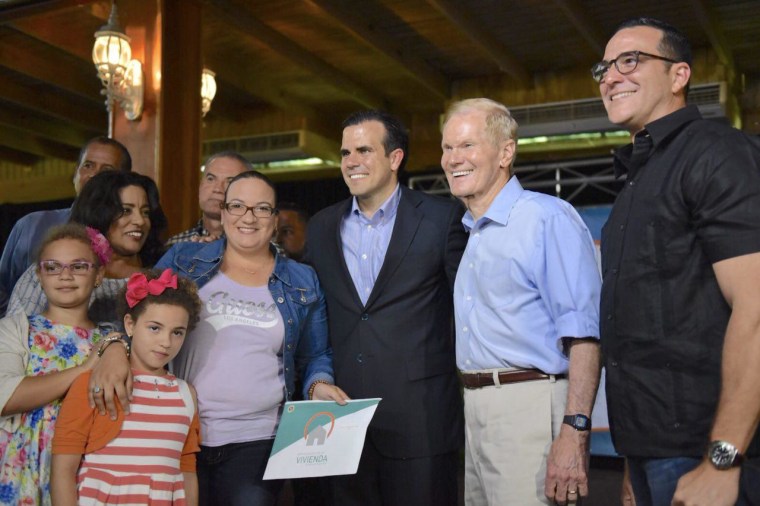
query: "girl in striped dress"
145, 455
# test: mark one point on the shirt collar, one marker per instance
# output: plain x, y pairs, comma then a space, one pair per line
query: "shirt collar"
385, 212
659, 130
500, 208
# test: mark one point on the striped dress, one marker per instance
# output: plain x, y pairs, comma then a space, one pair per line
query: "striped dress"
142, 464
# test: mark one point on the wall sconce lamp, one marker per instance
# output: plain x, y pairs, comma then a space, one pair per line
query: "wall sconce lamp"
122, 77
208, 90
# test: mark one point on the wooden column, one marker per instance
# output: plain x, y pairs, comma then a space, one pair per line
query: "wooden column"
165, 143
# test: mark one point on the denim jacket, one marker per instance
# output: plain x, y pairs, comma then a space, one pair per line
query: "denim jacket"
299, 297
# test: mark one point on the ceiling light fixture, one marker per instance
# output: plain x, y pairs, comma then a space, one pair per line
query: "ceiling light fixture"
208, 90
122, 77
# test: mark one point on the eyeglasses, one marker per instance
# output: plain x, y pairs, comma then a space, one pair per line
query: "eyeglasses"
54, 267
238, 209
625, 63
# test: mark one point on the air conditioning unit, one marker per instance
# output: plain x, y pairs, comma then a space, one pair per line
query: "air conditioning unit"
589, 115
292, 145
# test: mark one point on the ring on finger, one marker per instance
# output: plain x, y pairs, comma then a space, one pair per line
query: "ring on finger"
96, 390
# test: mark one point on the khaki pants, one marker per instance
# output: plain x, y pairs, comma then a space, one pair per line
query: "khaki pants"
509, 430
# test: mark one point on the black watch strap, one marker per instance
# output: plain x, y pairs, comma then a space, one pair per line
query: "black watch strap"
578, 422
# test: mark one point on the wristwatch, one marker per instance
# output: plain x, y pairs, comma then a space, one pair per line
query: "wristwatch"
723, 455
578, 422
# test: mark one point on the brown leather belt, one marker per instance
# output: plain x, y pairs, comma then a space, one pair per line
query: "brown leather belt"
485, 379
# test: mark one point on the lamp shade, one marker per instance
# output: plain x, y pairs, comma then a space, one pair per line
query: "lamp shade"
208, 89
111, 54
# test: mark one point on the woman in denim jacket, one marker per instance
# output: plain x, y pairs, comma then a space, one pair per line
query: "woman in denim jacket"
263, 325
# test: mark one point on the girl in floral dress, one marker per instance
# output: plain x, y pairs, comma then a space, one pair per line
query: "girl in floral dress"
41, 356
146, 456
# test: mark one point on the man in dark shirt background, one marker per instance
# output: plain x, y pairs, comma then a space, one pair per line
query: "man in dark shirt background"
680, 309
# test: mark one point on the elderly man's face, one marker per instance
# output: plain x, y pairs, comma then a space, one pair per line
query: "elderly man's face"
97, 157
476, 166
646, 94
216, 176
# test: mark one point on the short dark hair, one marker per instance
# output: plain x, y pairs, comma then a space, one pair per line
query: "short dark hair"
230, 154
292, 206
396, 135
184, 296
126, 159
99, 204
251, 174
674, 44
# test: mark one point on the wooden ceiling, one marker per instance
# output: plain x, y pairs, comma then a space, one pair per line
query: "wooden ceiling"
285, 65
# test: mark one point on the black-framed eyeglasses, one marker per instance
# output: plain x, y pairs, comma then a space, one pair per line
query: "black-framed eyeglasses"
54, 267
625, 63
239, 209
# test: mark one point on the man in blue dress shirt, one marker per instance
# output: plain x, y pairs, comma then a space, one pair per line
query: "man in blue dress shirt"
526, 303
100, 153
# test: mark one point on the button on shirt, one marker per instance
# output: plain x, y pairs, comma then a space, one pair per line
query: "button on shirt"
365, 242
694, 201
527, 279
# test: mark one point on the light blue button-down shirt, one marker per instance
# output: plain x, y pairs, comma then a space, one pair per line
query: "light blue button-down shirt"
527, 279
365, 242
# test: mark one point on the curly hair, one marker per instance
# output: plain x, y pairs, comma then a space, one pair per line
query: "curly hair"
99, 205
73, 231
184, 296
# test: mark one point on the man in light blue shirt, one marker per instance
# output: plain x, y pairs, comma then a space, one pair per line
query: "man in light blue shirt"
100, 153
526, 304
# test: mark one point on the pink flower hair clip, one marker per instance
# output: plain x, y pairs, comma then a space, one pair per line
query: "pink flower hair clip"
100, 245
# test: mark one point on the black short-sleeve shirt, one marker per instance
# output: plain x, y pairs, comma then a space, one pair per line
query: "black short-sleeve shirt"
691, 199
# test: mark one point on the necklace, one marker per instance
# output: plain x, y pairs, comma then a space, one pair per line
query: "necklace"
254, 271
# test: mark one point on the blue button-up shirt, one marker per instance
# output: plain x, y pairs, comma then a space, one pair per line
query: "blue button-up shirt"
365, 242
528, 278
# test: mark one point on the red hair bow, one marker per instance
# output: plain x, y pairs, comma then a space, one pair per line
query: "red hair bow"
138, 286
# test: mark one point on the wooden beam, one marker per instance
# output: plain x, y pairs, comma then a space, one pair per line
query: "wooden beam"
346, 13
179, 153
499, 53
240, 18
46, 101
42, 62
583, 23
52, 30
32, 144
62, 132
37, 189
715, 35
230, 79
9, 14
18, 157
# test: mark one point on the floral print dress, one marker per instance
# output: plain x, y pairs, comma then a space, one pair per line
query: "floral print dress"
25, 455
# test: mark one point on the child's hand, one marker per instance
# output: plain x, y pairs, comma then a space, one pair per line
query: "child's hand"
325, 392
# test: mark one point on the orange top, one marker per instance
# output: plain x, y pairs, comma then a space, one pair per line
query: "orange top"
81, 429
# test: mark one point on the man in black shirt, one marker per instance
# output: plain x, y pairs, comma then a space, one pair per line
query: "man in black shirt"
680, 309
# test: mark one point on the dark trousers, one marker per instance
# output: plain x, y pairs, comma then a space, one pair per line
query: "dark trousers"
654, 481
231, 475
383, 481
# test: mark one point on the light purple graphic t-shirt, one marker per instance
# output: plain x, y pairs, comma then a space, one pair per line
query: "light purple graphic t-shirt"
233, 358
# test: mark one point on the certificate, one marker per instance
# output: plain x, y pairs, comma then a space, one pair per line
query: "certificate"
320, 438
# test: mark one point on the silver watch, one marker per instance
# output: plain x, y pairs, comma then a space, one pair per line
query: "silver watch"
723, 455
